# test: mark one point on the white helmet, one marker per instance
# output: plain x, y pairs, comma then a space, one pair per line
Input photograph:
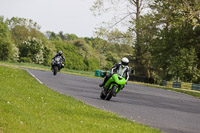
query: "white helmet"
60, 52
124, 61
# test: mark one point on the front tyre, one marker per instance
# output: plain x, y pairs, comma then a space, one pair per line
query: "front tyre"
111, 92
102, 95
55, 70
114, 91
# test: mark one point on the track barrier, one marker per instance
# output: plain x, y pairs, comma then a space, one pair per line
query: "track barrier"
182, 85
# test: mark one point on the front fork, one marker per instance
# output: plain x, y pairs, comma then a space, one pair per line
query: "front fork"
110, 90
105, 91
117, 88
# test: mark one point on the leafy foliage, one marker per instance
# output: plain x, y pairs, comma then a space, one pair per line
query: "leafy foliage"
161, 44
166, 45
32, 50
176, 43
7, 48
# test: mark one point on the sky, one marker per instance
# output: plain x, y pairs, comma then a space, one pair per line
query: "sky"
69, 16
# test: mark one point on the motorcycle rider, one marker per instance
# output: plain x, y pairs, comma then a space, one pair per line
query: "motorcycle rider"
62, 59
119, 68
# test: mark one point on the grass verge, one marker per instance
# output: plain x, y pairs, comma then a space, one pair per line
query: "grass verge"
47, 68
185, 91
27, 106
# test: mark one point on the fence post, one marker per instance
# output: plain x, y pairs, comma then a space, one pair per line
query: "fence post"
164, 83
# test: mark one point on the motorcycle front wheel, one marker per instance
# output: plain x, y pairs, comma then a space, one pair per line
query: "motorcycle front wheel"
55, 70
111, 93
102, 95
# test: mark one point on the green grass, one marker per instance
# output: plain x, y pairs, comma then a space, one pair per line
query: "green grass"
29, 107
47, 68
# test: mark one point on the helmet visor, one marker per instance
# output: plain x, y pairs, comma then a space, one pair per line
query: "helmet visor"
124, 63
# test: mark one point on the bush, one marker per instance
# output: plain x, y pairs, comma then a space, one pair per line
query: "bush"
92, 64
25, 59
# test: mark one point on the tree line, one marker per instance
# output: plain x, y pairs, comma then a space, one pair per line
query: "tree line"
166, 34
163, 43
22, 41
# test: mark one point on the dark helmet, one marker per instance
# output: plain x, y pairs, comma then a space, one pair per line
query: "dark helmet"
60, 52
124, 61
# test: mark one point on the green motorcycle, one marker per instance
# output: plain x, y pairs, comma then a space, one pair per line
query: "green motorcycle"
112, 86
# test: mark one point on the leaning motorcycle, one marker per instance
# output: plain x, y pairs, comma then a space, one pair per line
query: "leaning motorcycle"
56, 65
112, 86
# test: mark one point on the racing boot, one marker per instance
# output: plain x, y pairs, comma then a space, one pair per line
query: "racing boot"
104, 81
102, 84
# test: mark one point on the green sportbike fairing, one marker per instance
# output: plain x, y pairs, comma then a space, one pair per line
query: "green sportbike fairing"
112, 86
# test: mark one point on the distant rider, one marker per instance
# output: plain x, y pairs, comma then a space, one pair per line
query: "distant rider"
119, 68
60, 53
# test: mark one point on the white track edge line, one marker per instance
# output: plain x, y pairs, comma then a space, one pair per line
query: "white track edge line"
34, 76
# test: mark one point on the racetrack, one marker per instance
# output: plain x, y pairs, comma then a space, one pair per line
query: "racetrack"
172, 112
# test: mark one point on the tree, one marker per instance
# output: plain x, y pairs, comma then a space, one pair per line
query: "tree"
132, 15
61, 35
184, 66
52, 36
32, 51
182, 11
176, 39
21, 31
7, 48
22, 28
115, 36
70, 36
74, 60
90, 55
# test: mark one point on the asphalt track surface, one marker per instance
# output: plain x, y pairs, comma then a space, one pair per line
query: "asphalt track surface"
170, 111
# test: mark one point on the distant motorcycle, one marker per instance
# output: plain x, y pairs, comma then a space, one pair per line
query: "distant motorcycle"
112, 86
56, 64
